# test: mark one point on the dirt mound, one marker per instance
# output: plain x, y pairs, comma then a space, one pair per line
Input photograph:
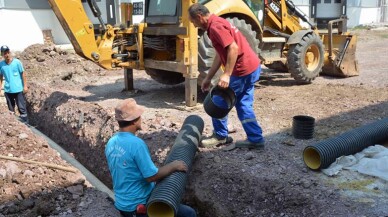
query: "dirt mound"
73, 106
83, 128
36, 190
252, 183
47, 63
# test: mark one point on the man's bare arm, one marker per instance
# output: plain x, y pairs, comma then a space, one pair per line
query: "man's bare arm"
229, 66
167, 170
231, 58
1, 82
214, 68
25, 87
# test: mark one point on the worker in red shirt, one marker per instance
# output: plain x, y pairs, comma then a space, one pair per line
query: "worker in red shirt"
241, 70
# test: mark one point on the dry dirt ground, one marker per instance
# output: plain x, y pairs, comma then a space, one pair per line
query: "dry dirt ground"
71, 100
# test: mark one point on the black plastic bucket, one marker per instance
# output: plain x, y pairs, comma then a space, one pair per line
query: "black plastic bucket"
216, 108
303, 127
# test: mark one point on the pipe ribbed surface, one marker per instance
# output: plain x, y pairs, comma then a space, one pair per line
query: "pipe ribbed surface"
303, 127
167, 194
322, 154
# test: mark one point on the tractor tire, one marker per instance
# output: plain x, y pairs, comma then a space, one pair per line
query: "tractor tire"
305, 59
206, 52
165, 77
278, 66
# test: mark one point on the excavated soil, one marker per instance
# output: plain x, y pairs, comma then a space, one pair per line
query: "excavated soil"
29, 189
71, 100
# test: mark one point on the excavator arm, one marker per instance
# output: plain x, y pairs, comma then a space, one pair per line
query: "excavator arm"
80, 30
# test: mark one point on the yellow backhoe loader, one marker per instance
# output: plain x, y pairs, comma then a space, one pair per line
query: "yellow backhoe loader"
168, 47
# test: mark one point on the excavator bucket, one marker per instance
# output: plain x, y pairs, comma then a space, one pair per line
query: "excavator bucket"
340, 56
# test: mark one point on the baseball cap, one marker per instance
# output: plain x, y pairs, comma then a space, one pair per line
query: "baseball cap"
128, 110
4, 48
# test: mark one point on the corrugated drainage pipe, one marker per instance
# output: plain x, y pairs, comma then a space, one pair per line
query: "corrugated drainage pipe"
94, 181
167, 194
303, 127
322, 154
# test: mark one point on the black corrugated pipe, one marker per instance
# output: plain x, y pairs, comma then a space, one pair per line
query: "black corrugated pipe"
167, 194
303, 127
322, 154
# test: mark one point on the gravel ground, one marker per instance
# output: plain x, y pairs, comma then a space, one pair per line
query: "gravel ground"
75, 100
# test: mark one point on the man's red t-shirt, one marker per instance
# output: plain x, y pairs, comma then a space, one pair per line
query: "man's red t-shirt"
222, 34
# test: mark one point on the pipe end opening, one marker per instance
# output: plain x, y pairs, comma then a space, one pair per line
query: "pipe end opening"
312, 158
304, 118
160, 209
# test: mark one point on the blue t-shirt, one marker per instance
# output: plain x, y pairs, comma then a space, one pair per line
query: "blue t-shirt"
130, 163
12, 74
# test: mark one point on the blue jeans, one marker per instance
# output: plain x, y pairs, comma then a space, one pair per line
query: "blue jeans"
183, 211
244, 89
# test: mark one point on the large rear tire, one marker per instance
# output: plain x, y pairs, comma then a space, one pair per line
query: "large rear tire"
206, 52
277, 66
305, 59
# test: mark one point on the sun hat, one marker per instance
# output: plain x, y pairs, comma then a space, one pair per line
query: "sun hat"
128, 110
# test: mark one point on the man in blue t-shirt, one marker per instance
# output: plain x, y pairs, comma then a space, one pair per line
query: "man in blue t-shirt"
132, 170
12, 71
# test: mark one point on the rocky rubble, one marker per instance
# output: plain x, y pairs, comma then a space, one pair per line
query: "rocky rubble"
48, 63
73, 104
35, 190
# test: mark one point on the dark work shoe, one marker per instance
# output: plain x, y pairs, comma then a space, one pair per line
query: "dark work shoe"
23, 119
213, 141
244, 144
250, 145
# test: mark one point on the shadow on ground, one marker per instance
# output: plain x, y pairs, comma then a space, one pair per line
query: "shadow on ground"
252, 183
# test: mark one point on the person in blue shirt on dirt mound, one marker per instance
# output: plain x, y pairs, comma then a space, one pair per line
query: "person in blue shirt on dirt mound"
15, 85
129, 160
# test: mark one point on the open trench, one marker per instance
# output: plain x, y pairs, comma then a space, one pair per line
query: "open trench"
220, 184
81, 128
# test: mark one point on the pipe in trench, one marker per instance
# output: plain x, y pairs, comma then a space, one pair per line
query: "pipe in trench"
94, 181
167, 194
324, 153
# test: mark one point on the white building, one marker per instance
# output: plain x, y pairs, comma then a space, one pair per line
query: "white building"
24, 22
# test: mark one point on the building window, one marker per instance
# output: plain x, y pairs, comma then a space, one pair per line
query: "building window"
370, 4
337, 1
327, 1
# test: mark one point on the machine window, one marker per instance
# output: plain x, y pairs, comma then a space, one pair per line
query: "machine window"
162, 7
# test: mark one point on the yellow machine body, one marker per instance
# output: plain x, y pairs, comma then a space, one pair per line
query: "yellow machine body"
170, 53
